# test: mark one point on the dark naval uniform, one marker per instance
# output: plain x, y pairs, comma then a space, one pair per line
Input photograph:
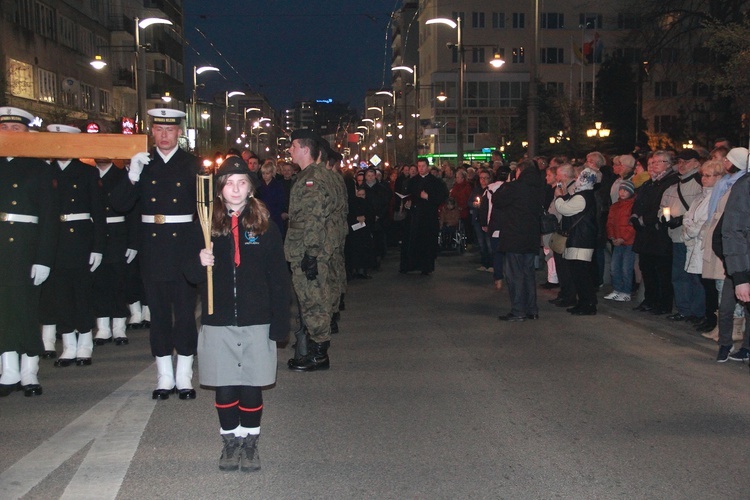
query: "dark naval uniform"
165, 198
25, 190
68, 294
110, 301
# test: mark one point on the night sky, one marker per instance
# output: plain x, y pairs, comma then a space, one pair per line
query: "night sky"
291, 50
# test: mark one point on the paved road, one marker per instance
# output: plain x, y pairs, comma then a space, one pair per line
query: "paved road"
429, 396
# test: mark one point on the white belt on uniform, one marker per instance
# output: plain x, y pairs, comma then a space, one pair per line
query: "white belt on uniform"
74, 217
166, 219
115, 220
32, 219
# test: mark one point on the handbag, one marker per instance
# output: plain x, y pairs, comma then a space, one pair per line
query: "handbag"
557, 242
549, 223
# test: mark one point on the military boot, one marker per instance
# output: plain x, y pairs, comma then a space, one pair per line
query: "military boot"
231, 453
316, 359
250, 457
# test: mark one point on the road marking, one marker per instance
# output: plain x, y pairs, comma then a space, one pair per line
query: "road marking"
115, 424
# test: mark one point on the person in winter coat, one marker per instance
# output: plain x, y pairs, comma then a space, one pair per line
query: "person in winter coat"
252, 297
579, 221
652, 242
519, 204
622, 235
695, 225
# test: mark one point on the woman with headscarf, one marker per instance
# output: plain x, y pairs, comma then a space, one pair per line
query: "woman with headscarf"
579, 223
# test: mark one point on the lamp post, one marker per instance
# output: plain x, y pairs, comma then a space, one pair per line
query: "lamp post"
227, 95
197, 71
415, 84
460, 108
140, 92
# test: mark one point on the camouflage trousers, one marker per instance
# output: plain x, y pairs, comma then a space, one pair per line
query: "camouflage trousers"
336, 278
314, 301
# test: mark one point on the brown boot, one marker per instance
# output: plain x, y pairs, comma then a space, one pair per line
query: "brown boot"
712, 335
738, 333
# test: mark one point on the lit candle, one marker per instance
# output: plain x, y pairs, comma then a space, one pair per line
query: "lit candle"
666, 212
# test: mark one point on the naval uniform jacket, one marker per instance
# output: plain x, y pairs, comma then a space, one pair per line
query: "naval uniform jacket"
26, 189
163, 189
120, 235
258, 292
79, 191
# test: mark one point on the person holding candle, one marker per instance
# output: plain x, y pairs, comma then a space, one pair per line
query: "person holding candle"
652, 242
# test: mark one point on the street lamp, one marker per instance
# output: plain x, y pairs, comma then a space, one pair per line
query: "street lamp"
598, 131
227, 95
139, 98
460, 109
198, 71
415, 84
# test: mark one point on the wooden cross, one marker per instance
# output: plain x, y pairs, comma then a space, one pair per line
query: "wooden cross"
47, 145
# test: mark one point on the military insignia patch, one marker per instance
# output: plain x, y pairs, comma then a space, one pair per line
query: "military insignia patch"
309, 183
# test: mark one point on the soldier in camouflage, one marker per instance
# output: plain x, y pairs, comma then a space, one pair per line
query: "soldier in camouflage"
338, 229
308, 249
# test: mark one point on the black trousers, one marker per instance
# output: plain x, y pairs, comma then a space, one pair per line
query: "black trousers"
66, 300
584, 276
565, 277
109, 291
173, 327
657, 280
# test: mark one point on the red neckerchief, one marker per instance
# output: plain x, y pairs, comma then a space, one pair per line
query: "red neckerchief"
236, 235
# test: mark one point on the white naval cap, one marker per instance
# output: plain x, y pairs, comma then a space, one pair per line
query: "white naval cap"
66, 129
10, 114
166, 116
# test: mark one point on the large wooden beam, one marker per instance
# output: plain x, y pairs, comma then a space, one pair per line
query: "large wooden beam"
47, 145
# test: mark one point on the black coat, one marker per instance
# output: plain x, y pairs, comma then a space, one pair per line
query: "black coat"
651, 238
166, 189
419, 251
735, 232
519, 206
258, 292
120, 235
582, 228
26, 189
79, 190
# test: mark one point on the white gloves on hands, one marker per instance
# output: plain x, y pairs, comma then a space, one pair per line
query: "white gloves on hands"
94, 260
39, 274
136, 166
130, 255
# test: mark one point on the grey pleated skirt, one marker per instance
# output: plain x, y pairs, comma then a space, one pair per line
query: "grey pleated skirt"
236, 355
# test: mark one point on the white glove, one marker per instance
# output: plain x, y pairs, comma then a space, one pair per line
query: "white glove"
94, 260
136, 166
130, 255
39, 273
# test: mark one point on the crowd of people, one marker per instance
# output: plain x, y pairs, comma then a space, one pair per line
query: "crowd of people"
100, 250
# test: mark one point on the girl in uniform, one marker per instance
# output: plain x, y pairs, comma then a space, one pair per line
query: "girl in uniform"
252, 293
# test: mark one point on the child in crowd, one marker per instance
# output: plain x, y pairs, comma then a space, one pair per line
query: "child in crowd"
622, 234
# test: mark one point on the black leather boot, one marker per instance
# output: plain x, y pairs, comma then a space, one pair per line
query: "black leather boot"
334, 326
342, 305
316, 359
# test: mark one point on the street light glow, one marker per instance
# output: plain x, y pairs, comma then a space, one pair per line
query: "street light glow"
97, 63
203, 69
384, 92
403, 68
234, 93
154, 20
442, 20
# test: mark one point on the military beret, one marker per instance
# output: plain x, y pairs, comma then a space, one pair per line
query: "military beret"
304, 133
232, 165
